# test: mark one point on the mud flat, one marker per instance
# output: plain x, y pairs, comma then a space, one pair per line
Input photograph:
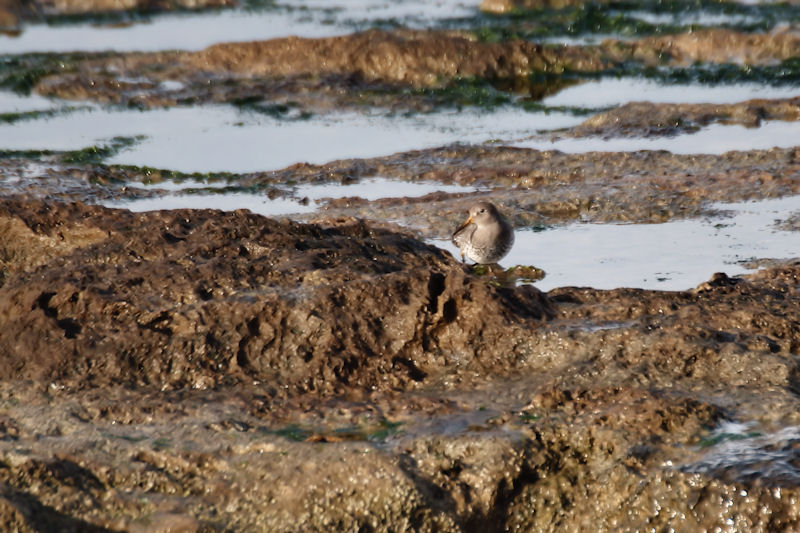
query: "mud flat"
224, 370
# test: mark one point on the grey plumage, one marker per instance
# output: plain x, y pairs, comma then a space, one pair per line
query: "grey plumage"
486, 237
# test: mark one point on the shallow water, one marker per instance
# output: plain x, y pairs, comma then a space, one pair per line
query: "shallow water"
16, 103
691, 17
616, 91
370, 189
674, 255
713, 139
195, 31
257, 203
747, 452
224, 138
185, 31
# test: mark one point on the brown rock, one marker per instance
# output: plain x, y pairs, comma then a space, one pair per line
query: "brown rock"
646, 119
10, 13
194, 298
724, 46
72, 7
504, 6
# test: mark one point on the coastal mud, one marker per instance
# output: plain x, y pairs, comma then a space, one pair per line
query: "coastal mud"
205, 370
645, 119
374, 67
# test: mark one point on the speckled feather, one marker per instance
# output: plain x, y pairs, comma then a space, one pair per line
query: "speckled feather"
486, 236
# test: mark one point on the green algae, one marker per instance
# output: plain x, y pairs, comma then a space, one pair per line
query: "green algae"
528, 417
464, 92
21, 73
91, 155
152, 175
34, 155
784, 73
97, 154
384, 430
13, 117
376, 432
162, 443
627, 19
277, 110
489, 94
727, 437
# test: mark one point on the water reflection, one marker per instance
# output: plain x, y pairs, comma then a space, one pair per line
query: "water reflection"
675, 255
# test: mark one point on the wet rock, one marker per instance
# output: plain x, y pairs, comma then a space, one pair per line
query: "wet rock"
139, 381
210, 296
721, 46
402, 58
644, 119
505, 6
73, 7
10, 12
534, 187
374, 67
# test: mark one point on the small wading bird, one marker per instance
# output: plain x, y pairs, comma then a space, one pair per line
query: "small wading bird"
486, 237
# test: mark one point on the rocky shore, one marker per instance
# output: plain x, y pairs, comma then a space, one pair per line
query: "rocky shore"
201, 370
209, 370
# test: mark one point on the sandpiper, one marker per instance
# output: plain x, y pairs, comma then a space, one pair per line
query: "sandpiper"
486, 237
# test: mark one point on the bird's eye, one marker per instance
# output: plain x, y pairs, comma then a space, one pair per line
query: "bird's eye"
483, 210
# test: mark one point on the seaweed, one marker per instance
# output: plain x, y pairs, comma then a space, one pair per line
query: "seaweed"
21, 73
97, 154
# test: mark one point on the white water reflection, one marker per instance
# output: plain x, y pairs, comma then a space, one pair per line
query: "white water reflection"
257, 203
689, 17
611, 92
222, 138
195, 31
713, 139
675, 255
375, 188
15, 103
412, 13
370, 189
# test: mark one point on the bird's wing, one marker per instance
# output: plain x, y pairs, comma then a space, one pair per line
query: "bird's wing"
462, 235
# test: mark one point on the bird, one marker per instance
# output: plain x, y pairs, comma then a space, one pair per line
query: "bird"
486, 237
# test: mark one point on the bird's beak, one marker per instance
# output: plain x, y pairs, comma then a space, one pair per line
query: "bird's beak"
464, 225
